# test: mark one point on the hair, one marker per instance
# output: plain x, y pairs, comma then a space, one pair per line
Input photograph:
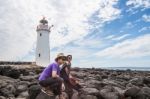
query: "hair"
62, 57
56, 59
69, 56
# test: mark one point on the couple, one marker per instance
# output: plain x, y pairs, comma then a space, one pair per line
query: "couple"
56, 78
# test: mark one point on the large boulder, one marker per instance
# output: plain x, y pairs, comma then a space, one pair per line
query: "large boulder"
124, 77
28, 78
87, 97
140, 95
146, 91
137, 81
42, 95
91, 91
110, 95
2, 97
119, 91
146, 80
109, 92
22, 88
7, 86
80, 75
132, 92
9, 71
94, 84
113, 83
34, 91
23, 94
8, 91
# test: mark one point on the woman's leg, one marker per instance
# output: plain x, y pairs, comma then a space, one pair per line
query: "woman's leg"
47, 82
45, 96
53, 84
68, 89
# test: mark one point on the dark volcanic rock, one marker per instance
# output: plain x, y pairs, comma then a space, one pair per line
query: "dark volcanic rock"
80, 75
21, 83
137, 81
9, 71
146, 80
91, 91
88, 97
2, 97
94, 84
110, 95
8, 91
44, 96
28, 78
34, 91
110, 92
132, 92
22, 88
146, 91
140, 95
13, 88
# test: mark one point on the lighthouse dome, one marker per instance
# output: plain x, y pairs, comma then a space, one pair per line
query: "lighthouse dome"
43, 21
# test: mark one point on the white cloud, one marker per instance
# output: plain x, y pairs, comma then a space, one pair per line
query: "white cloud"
121, 37
133, 6
144, 29
117, 38
109, 12
110, 37
138, 3
18, 21
89, 43
131, 48
146, 18
133, 11
129, 25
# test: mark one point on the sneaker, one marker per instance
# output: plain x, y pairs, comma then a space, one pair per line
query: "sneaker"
47, 91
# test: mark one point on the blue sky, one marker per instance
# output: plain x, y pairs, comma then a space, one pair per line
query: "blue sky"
98, 33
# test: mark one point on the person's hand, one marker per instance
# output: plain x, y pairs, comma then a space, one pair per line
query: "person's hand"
58, 76
70, 76
63, 87
77, 81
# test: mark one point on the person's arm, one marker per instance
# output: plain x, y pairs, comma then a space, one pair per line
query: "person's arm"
54, 71
67, 70
54, 74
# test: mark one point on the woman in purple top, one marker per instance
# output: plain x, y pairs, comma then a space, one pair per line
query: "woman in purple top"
50, 77
48, 71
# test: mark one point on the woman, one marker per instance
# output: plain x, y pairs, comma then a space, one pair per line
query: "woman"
50, 77
69, 81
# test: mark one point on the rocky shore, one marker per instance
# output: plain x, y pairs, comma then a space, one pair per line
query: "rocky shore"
97, 83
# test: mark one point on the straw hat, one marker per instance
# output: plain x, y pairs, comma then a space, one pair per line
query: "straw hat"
60, 55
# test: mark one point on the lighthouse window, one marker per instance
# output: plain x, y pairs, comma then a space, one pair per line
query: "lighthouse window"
40, 34
39, 54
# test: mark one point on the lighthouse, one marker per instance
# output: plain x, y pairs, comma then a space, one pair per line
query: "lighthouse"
42, 46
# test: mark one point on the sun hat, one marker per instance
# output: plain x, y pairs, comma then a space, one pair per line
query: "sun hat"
60, 55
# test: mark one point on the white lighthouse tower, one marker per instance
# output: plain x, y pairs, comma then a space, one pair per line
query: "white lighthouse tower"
42, 47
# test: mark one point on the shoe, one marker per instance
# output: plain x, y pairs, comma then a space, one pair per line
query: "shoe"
48, 92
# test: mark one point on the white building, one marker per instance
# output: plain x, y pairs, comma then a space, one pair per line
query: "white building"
42, 46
